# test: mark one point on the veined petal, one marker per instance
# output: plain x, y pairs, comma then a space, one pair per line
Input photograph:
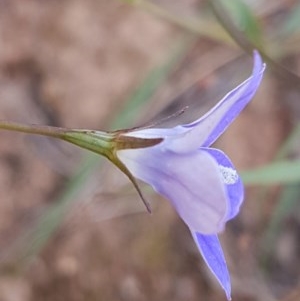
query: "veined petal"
212, 253
192, 182
233, 182
205, 130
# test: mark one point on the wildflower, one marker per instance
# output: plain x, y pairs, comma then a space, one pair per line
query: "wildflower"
200, 182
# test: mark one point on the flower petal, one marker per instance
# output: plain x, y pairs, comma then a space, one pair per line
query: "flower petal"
192, 182
152, 133
233, 182
204, 131
212, 253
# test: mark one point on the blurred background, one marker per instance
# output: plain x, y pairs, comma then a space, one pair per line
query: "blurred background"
71, 225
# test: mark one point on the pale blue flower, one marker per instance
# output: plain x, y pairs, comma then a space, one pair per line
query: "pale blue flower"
200, 182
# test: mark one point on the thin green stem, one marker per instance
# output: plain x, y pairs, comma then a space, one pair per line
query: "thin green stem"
95, 141
43, 130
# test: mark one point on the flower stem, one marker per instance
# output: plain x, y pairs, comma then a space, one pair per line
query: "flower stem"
95, 141
43, 130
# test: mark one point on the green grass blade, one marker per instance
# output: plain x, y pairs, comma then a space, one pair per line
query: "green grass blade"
150, 84
292, 24
289, 198
53, 217
244, 19
283, 172
285, 204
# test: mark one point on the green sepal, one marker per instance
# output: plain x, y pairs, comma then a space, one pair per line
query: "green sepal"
107, 144
98, 142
